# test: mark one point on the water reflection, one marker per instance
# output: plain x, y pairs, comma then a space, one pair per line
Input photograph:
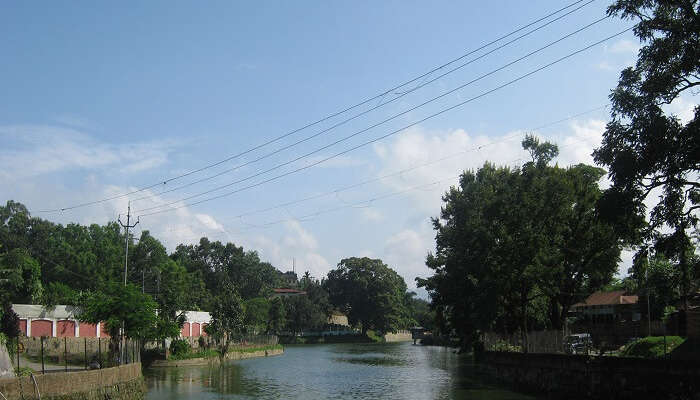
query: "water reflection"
338, 371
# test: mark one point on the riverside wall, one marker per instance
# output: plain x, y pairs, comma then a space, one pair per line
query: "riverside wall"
119, 383
584, 377
233, 355
399, 336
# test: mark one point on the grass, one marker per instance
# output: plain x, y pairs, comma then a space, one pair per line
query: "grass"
211, 353
24, 371
205, 353
652, 347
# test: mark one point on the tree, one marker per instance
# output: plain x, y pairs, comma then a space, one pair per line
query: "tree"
120, 306
369, 293
645, 148
515, 248
20, 277
9, 322
256, 314
227, 316
276, 315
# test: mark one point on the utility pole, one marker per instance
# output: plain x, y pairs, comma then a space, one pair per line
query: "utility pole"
126, 227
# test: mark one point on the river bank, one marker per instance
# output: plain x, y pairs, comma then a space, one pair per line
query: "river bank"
118, 383
586, 377
265, 351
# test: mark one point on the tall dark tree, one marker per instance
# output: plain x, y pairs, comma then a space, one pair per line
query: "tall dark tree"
369, 293
645, 148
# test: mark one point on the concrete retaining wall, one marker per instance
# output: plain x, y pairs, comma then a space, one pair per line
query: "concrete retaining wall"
235, 355
118, 383
584, 377
400, 336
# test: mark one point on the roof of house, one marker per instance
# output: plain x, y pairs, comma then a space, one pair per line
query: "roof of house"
608, 298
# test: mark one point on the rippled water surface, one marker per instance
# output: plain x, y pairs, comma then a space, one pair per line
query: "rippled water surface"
335, 371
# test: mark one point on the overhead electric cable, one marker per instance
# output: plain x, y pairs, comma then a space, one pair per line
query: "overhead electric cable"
278, 166
521, 77
321, 120
365, 112
414, 167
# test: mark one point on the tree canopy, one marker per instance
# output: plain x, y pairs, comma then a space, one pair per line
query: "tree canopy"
648, 150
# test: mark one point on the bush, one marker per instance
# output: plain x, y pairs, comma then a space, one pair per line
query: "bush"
180, 347
651, 347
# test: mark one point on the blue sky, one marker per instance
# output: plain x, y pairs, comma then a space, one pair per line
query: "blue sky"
100, 99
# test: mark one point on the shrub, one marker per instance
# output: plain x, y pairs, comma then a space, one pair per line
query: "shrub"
651, 347
180, 347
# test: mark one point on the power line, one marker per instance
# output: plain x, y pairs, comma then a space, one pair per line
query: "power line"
321, 120
311, 216
391, 118
381, 137
422, 84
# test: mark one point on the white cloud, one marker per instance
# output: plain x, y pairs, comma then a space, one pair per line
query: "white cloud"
683, 108
623, 46
39, 149
405, 252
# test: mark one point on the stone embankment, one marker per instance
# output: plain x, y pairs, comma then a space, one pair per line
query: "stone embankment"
399, 336
233, 355
118, 383
584, 377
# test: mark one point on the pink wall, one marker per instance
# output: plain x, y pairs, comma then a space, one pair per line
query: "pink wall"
65, 328
185, 331
88, 330
103, 330
23, 326
41, 327
204, 333
195, 329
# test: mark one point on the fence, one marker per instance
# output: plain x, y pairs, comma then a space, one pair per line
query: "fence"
56, 354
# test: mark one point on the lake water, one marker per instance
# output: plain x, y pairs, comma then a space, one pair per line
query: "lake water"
333, 371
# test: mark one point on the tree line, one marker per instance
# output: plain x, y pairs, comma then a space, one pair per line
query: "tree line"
42, 262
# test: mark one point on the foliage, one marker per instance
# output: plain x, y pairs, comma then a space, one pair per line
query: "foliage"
369, 293
227, 316
652, 347
21, 277
276, 315
180, 347
256, 314
116, 304
646, 149
9, 322
515, 248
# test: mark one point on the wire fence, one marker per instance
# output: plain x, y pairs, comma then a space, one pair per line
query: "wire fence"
63, 354
536, 342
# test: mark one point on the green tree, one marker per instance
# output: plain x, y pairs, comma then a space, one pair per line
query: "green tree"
227, 316
647, 149
257, 311
276, 316
20, 277
120, 306
369, 293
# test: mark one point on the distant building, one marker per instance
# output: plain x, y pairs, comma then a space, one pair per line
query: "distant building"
288, 278
338, 319
62, 321
608, 307
284, 292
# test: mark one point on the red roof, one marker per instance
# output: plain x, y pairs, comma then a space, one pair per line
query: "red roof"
608, 298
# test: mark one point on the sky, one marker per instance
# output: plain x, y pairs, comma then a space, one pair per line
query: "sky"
103, 99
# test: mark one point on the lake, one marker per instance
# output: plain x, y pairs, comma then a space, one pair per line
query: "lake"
332, 371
